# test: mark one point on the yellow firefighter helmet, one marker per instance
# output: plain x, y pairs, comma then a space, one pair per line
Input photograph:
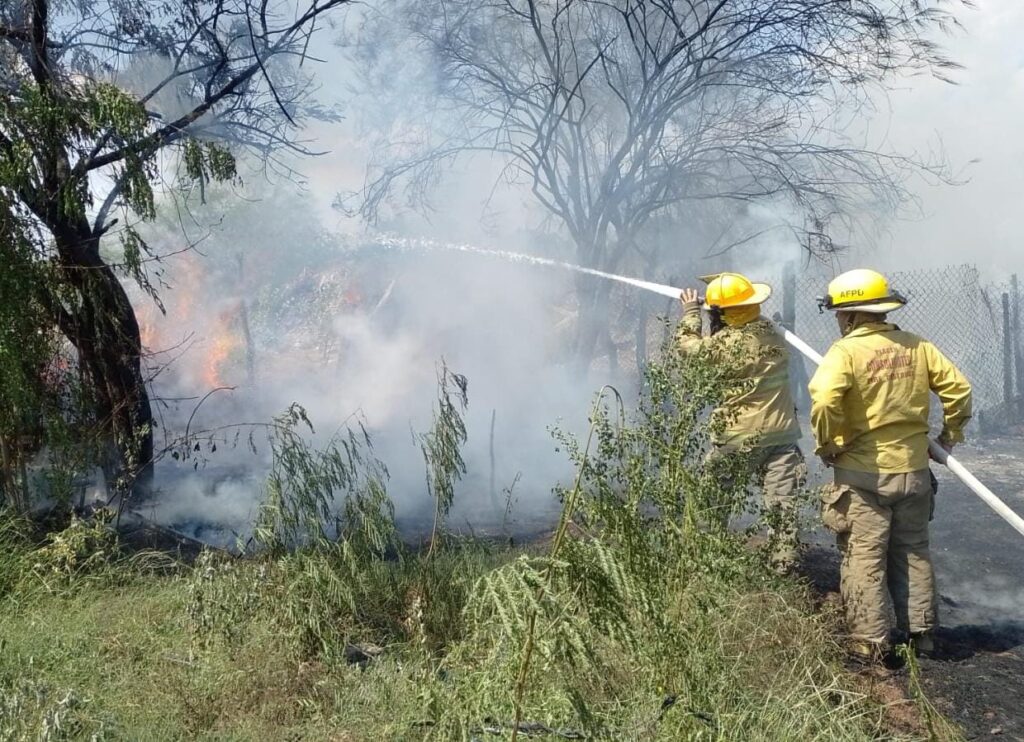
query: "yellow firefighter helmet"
861, 290
727, 290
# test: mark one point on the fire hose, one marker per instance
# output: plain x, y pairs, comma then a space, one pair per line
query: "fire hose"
938, 452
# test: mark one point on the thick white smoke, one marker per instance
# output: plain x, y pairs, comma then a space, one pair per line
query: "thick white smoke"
358, 331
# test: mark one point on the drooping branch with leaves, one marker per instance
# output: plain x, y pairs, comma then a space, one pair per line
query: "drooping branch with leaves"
442, 445
101, 101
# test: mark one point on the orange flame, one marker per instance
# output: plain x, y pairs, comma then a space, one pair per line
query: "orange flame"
147, 332
222, 346
187, 307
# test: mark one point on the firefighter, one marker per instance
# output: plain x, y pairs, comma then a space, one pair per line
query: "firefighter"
869, 414
760, 414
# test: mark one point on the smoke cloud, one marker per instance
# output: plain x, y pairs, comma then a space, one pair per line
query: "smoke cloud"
354, 332
361, 332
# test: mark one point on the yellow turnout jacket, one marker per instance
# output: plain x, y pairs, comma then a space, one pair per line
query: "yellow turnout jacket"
870, 403
761, 408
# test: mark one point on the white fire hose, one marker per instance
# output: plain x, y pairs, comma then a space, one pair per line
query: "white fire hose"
938, 453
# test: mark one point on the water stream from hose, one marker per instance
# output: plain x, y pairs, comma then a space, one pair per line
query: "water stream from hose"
407, 243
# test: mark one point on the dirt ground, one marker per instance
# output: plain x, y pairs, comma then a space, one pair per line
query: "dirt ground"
977, 678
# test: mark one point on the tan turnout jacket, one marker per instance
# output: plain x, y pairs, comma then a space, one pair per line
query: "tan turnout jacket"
870, 400
763, 408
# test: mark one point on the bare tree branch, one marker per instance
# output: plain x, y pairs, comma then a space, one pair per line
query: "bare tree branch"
617, 112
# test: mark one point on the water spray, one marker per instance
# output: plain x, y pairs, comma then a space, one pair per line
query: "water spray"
405, 243
937, 451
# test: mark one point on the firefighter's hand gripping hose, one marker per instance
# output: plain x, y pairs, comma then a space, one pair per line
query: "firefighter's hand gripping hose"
938, 453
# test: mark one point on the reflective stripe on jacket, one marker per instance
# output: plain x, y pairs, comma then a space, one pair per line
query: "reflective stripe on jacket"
870, 402
762, 407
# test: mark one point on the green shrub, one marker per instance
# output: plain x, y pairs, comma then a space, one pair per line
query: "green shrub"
642, 619
83, 547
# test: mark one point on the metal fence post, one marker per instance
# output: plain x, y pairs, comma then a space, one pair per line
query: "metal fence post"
1007, 353
789, 296
798, 371
1018, 357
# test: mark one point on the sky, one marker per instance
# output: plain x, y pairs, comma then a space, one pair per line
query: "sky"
979, 123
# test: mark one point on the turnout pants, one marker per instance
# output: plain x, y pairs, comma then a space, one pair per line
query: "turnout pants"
780, 472
881, 527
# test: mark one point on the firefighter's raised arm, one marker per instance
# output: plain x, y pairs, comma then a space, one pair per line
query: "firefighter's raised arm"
688, 334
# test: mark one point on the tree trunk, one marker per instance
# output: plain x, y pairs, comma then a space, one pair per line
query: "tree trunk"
593, 320
102, 326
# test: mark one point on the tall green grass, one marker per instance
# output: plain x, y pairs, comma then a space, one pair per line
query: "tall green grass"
643, 617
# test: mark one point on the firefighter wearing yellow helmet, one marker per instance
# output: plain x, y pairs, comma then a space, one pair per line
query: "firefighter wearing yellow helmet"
869, 414
760, 413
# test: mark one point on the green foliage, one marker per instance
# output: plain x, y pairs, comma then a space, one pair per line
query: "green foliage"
208, 161
108, 107
326, 600
640, 570
82, 548
76, 118
441, 446
328, 520
223, 596
644, 617
30, 398
81, 554
340, 572
52, 130
309, 491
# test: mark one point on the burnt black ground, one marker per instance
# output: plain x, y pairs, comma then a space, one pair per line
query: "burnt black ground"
977, 675
979, 560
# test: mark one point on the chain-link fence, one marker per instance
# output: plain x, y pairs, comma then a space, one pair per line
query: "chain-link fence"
977, 326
